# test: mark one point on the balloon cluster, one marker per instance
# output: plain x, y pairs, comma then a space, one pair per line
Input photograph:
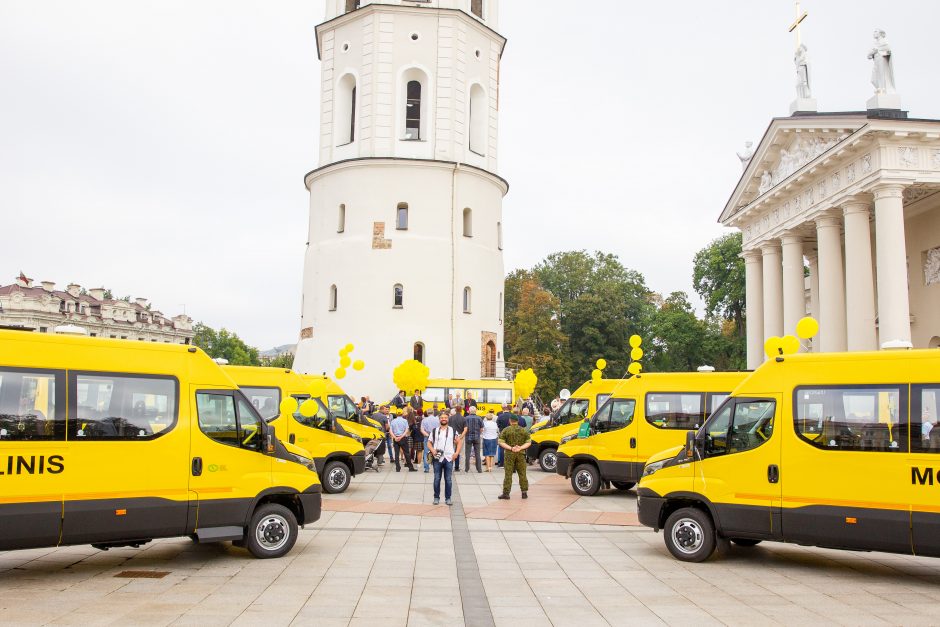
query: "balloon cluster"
525, 382
411, 374
309, 407
598, 372
345, 361
788, 344
636, 354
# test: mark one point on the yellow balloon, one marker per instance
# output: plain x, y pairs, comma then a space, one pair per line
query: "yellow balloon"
790, 344
596, 374
342, 352
308, 408
359, 364
288, 407
317, 389
773, 346
345, 361
635, 341
635, 368
349, 348
340, 373
807, 327
636, 354
601, 363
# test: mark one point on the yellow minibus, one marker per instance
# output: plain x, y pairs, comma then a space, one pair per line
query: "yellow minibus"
347, 414
644, 414
835, 450
489, 394
337, 458
565, 421
115, 443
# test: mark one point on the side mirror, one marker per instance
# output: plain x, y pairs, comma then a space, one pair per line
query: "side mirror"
692, 446
268, 435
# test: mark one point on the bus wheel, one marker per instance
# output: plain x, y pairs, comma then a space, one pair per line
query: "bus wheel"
623, 485
335, 477
548, 460
585, 480
690, 535
745, 541
272, 531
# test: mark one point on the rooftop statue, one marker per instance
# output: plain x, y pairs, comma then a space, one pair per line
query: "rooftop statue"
882, 72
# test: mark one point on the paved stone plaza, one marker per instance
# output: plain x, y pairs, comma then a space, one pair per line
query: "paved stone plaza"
382, 556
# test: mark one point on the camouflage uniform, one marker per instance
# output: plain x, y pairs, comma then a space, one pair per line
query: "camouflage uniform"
514, 435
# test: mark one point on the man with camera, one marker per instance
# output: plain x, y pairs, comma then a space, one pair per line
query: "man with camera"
443, 446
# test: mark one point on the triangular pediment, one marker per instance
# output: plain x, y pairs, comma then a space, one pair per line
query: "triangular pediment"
788, 146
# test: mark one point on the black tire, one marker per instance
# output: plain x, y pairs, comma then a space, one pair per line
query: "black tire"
690, 535
272, 531
336, 477
748, 542
623, 485
548, 459
586, 480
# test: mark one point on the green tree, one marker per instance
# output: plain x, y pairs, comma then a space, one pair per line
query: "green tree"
718, 277
534, 338
284, 360
679, 338
225, 345
601, 304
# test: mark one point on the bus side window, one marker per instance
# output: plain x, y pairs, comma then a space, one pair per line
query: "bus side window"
121, 407
32, 405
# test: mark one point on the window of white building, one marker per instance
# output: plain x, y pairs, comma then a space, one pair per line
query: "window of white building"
477, 120
419, 352
468, 222
476, 7
345, 116
499, 235
398, 296
341, 222
413, 110
466, 299
333, 298
401, 217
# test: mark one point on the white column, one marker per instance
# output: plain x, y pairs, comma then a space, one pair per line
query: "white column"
812, 260
831, 284
894, 308
754, 307
773, 289
794, 285
859, 281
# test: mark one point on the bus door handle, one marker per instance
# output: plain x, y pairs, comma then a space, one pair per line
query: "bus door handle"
632, 442
773, 473
292, 438
197, 466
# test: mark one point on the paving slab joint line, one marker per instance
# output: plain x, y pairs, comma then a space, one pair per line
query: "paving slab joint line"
476, 605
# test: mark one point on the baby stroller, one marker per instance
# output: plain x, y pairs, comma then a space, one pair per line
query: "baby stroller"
370, 447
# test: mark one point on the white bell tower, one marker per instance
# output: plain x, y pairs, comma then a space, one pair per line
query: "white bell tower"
404, 255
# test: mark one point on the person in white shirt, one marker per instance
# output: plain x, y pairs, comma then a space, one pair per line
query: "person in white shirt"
444, 445
490, 438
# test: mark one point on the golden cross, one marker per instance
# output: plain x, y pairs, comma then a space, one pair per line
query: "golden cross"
795, 26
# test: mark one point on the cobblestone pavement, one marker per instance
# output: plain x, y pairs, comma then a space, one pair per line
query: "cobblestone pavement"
393, 566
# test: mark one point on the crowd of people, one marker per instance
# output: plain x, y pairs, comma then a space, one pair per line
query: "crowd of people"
440, 438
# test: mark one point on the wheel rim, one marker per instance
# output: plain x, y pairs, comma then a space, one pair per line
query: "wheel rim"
687, 536
583, 480
550, 460
272, 532
337, 478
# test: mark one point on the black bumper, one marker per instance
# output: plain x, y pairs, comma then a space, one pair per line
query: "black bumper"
649, 506
563, 465
311, 504
359, 463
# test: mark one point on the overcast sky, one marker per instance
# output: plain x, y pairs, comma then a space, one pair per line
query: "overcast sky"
158, 148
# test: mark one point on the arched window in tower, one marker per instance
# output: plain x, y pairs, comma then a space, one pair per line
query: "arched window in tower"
401, 217
499, 235
419, 352
476, 7
341, 219
468, 222
489, 360
398, 296
344, 117
333, 298
351, 5
466, 299
413, 110
478, 116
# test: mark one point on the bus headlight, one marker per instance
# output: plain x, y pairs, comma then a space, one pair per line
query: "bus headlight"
654, 467
569, 438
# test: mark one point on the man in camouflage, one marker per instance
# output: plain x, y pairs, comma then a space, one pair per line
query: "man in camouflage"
514, 440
